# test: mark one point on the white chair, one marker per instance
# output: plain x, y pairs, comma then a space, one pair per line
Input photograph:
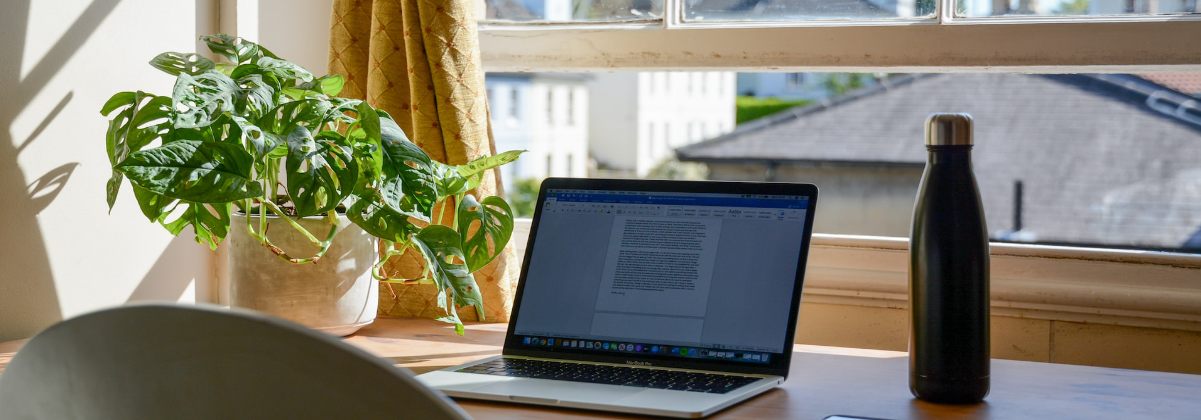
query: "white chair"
192, 362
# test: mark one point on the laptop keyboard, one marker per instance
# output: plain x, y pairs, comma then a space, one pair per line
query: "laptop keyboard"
614, 375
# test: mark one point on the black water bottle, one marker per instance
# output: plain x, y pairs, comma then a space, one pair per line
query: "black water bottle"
948, 271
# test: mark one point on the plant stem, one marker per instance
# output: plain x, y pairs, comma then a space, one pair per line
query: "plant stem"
329, 240
275, 209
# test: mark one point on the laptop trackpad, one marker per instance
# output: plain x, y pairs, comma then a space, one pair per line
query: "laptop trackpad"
540, 391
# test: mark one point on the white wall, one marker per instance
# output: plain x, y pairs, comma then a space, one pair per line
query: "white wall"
681, 108
613, 117
295, 30
62, 253
557, 139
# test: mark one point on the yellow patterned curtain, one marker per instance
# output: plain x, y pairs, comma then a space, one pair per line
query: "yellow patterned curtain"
419, 60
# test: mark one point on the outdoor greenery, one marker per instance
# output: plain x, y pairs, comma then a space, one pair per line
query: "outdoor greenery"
524, 196
1073, 7
228, 131
674, 169
749, 108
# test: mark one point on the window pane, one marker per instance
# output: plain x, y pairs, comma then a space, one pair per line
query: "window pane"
1109, 160
572, 10
982, 8
727, 10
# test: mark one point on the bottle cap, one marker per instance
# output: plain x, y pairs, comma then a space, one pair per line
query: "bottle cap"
948, 129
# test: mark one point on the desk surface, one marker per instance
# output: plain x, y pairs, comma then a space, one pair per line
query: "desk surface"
827, 380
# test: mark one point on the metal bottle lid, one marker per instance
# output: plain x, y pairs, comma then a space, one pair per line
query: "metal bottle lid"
949, 129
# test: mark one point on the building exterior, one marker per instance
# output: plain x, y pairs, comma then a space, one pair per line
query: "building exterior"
639, 119
794, 86
545, 114
1110, 160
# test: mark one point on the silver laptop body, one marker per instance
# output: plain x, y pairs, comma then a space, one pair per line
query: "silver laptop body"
668, 298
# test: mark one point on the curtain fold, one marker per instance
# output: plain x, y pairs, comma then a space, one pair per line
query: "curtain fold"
419, 60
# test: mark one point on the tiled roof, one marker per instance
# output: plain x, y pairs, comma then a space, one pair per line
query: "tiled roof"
1184, 82
1097, 161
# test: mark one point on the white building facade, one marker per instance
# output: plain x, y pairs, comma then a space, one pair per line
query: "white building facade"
545, 114
639, 119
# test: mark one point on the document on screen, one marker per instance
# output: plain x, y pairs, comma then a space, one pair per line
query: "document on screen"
659, 266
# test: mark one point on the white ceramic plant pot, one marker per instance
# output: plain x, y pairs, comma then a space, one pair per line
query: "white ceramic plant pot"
336, 294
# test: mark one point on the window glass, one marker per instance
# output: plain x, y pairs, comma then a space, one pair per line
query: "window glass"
572, 10
736, 10
983, 8
1106, 160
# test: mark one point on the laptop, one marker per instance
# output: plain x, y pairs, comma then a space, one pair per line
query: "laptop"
668, 298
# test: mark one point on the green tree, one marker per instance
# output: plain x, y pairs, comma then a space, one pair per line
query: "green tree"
674, 169
841, 83
1074, 7
524, 196
750, 108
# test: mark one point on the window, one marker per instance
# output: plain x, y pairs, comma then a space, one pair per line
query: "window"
570, 113
939, 36
550, 164
569, 160
794, 80
514, 104
550, 106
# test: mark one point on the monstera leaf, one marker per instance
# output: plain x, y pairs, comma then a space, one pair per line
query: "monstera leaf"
135, 127
409, 177
379, 220
321, 173
254, 96
210, 222
174, 63
440, 246
326, 85
486, 228
191, 170
285, 69
236, 50
201, 98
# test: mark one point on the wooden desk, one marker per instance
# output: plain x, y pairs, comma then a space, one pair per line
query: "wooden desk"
828, 380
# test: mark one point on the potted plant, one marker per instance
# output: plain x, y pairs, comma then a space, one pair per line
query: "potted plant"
262, 137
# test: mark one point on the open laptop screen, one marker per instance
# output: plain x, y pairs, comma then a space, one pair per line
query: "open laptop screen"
690, 276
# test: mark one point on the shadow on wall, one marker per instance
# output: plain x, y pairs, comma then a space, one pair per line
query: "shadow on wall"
166, 280
28, 297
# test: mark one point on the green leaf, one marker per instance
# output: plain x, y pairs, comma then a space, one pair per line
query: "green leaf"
325, 85
256, 140
131, 130
480, 165
254, 96
380, 220
449, 181
440, 246
369, 121
285, 117
237, 50
330, 85
174, 63
321, 173
154, 206
201, 98
192, 170
285, 69
210, 222
409, 174
495, 226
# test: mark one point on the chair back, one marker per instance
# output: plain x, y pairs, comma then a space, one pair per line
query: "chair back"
195, 362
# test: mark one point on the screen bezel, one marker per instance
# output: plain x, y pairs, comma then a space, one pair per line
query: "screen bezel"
779, 363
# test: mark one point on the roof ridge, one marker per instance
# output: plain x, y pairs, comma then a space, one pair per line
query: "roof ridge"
795, 112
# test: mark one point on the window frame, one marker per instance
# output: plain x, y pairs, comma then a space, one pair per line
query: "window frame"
1091, 285
940, 43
